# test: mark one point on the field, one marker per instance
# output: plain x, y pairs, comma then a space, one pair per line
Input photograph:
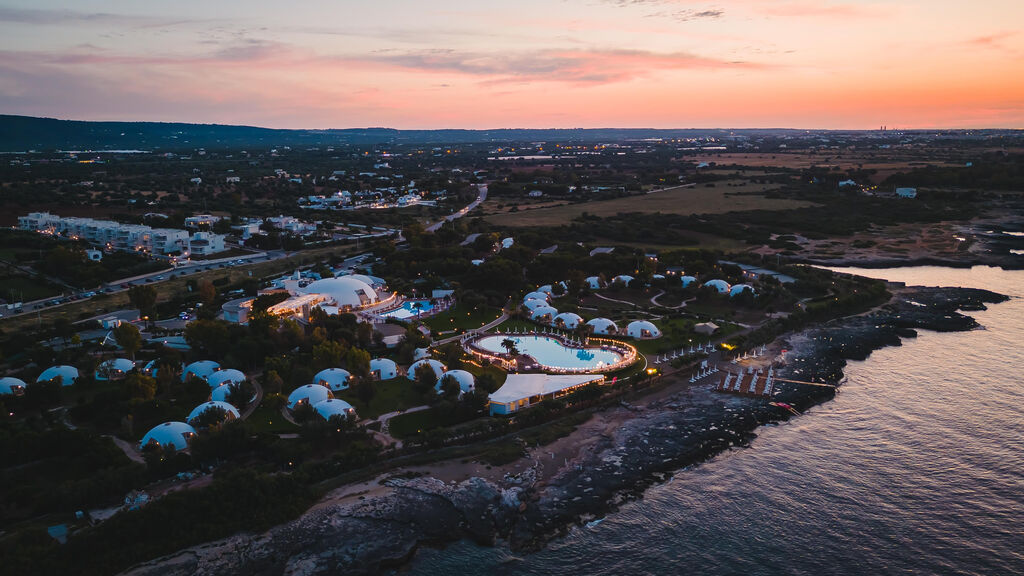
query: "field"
24, 289
725, 196
886, 164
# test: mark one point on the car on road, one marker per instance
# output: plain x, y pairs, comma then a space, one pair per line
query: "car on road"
161, 277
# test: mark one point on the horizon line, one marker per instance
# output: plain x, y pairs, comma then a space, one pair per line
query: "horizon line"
749, 128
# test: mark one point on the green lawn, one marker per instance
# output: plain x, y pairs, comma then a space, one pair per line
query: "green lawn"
498, 374
265, 419
462, 317
406, 425
390, 395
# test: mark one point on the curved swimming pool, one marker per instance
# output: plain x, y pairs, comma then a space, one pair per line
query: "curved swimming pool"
551, 353
409, 309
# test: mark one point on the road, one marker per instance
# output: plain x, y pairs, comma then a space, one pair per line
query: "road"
150, 278
481, 196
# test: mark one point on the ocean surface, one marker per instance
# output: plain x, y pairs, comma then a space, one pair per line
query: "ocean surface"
917, 467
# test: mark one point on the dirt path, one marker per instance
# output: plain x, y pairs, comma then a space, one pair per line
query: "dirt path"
128, 450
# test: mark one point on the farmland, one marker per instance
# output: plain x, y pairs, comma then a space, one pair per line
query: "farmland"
724, 196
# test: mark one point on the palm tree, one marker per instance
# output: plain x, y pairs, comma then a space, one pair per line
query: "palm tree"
510, 346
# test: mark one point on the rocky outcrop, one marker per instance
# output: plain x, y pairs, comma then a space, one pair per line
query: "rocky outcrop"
357, 537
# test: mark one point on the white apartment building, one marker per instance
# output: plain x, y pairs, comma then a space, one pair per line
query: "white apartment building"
206, 243
112, 235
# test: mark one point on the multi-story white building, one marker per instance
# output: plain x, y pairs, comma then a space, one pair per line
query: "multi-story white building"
206, 243
112, 235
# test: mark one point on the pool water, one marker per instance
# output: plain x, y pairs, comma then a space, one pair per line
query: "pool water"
408, 309
551, 353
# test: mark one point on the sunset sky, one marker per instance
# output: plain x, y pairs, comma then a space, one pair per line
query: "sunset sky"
528, 63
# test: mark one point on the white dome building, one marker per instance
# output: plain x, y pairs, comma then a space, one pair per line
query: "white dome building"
544, 314
222, 392
536, 295
739, 289
347, 292
10, 386
464, 379
720, 285
383, 369
310, 394
177, 434
568, 320
687, 280
532, 305
337, 379
229, 376
438, 367
230, 412
594, 282
373, 281
332, 407
201, 369
603, 326
420, 354
546, 289
113, 369
623, 279
68, 374
642, 330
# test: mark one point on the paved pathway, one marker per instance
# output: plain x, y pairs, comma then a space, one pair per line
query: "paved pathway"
481, 196
255, 403
661, 293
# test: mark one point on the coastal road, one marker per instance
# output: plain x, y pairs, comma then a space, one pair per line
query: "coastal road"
481, 196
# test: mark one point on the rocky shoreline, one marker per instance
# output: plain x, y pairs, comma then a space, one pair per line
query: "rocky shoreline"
1004, 261
362, 533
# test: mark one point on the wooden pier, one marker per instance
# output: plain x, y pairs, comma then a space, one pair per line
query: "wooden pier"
748, 382
751, 382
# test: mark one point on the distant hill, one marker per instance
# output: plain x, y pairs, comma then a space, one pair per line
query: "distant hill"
22, 133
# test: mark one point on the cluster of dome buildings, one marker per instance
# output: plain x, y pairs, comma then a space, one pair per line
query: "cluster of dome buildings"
322, 400
11, 386
179, 434
540, 310
723, 287
719, 285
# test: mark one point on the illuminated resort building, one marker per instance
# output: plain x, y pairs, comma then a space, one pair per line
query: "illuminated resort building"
355, 293
524, 390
